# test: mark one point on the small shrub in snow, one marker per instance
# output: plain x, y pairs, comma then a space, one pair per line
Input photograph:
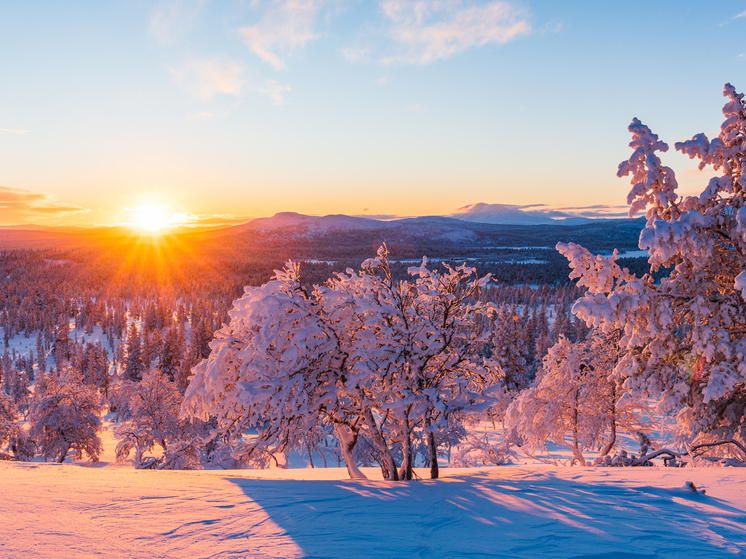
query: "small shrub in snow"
477, 450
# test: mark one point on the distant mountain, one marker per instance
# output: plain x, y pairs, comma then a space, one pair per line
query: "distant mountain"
292, 220
505, 214
434, 227
428, 234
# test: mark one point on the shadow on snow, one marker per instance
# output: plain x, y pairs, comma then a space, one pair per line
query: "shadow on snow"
480, 515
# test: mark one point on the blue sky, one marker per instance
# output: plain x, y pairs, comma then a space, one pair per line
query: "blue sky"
229, 110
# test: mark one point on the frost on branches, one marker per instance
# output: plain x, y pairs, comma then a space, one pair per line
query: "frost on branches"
363, 354
65, 415
682, 339
574, 403
14, 443
148, 415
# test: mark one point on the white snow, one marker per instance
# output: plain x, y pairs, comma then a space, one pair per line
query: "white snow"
510, 511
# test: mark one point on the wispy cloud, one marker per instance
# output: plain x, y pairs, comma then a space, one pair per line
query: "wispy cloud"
272, 89
426, 31
9, 131
25, 206
173, 19
598, 210
207, 78
285, 27
199, 116
356, 54
742, 14
189, 219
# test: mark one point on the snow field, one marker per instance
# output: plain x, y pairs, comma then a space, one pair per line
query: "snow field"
511, 511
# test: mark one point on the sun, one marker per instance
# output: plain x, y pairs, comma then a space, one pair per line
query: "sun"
150, 218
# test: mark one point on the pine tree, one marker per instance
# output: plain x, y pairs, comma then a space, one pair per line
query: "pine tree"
683, 338
134, 366
511, 348
171, 353
40, 354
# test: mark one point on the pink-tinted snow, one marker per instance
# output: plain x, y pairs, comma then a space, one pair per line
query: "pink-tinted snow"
516, 511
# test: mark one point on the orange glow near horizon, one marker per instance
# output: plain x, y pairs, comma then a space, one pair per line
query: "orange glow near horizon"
150, 218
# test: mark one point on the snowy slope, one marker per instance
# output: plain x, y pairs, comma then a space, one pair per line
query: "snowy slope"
522, 511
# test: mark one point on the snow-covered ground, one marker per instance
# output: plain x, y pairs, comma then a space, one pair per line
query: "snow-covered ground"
525, 510
515, 511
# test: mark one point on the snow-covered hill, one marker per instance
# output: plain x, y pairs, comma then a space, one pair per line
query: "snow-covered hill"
506, 214
292, 220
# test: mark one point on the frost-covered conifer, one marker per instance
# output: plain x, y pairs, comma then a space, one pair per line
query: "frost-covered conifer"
65, 414
683, 338
134, 365
512, 349
172, 350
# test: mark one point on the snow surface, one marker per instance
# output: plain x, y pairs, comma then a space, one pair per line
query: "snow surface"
51, 510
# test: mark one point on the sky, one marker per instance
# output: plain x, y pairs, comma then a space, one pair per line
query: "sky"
222, 111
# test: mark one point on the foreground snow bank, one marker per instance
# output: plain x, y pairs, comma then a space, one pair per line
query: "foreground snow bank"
523, 511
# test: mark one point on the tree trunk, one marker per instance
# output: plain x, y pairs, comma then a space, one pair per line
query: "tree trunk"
63, 455
577, 455
433, 455
347, 441
612, 436
310, 451
388, 465
405, 473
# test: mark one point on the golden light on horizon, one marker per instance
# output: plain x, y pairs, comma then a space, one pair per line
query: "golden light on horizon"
150, 218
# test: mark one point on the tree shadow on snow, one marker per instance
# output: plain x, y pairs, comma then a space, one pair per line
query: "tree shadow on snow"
480, 515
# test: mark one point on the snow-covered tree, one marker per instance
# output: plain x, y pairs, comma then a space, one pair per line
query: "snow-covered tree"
134, 365
14, 442
148, 414
512, 347
573, 402
682, 338
65, 414
362, 353
418, 345
172, 351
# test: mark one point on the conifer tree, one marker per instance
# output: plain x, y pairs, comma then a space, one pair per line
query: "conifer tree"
683, 338
134, 366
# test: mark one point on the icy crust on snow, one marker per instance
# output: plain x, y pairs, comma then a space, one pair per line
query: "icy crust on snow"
510, 511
